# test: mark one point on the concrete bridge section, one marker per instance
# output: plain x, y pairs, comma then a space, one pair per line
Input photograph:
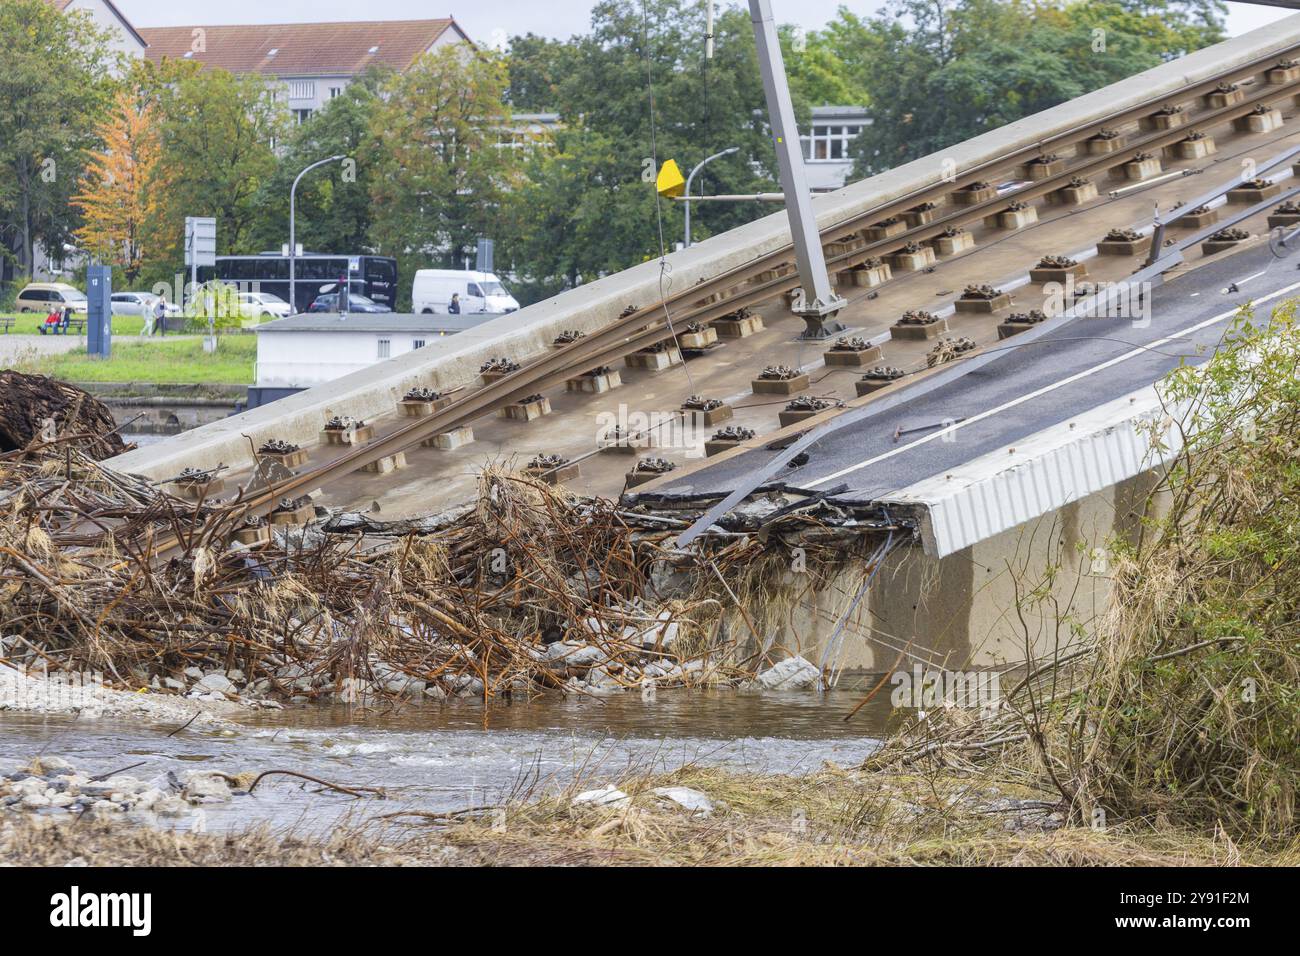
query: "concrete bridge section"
1025, 494
455, 361
968, 610
1052, 462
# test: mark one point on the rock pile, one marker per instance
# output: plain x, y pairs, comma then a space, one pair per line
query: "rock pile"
53, 785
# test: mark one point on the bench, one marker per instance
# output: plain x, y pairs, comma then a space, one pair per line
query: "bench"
74, 326
7, 322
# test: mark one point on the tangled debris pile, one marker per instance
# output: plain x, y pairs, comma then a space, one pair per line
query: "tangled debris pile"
949, 348
528, 589
36, 408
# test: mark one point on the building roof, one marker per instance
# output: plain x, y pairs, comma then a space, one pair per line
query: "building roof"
376, 322
833, 112
62, 6
302, 49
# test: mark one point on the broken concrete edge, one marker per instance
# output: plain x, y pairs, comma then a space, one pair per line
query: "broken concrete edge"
949, 512
455, 360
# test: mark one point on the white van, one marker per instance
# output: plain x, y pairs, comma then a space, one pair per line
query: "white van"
479, 292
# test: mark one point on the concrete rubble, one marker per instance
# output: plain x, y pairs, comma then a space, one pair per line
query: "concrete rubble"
793, 673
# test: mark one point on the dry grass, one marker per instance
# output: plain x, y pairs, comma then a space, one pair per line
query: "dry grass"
832, 818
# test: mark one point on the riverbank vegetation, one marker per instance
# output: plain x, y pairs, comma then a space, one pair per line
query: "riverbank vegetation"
1180, 709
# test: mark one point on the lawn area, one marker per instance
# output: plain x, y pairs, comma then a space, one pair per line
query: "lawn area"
29, 323
163, 360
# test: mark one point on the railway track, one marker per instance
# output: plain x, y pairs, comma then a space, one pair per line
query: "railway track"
1261, 82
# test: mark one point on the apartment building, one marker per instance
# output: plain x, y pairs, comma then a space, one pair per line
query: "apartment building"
312, 62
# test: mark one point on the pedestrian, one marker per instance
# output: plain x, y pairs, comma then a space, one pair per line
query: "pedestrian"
159, 315
453, 307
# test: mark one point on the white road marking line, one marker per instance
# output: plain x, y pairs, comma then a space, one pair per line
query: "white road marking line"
1048, 388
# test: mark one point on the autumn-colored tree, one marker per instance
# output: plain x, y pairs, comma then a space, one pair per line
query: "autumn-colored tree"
116, 198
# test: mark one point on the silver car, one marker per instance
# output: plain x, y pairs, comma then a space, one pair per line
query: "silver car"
139, 304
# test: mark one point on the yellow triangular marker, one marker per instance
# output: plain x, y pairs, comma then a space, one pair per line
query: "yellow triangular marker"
670, 182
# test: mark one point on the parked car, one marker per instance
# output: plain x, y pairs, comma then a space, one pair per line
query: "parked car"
47, 297
140, 304
329, 302
264, 305
432, 289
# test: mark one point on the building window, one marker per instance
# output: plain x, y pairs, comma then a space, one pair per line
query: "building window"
302, 90
417, 343
829, 143
301, 116
385, 348
336, 91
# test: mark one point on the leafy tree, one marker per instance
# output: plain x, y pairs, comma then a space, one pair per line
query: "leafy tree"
440, 171
116, 200
537, 66
948, 70
334, 205
1171, 28
218, 133
53, 82
590, 206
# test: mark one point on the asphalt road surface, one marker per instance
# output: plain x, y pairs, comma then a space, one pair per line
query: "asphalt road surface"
1028, 387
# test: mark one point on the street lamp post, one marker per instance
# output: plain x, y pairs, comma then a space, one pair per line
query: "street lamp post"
293, 239
700, 165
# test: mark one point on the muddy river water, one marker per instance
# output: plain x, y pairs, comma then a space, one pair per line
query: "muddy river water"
461, 754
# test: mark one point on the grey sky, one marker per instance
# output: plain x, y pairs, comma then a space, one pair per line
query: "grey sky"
486, 20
